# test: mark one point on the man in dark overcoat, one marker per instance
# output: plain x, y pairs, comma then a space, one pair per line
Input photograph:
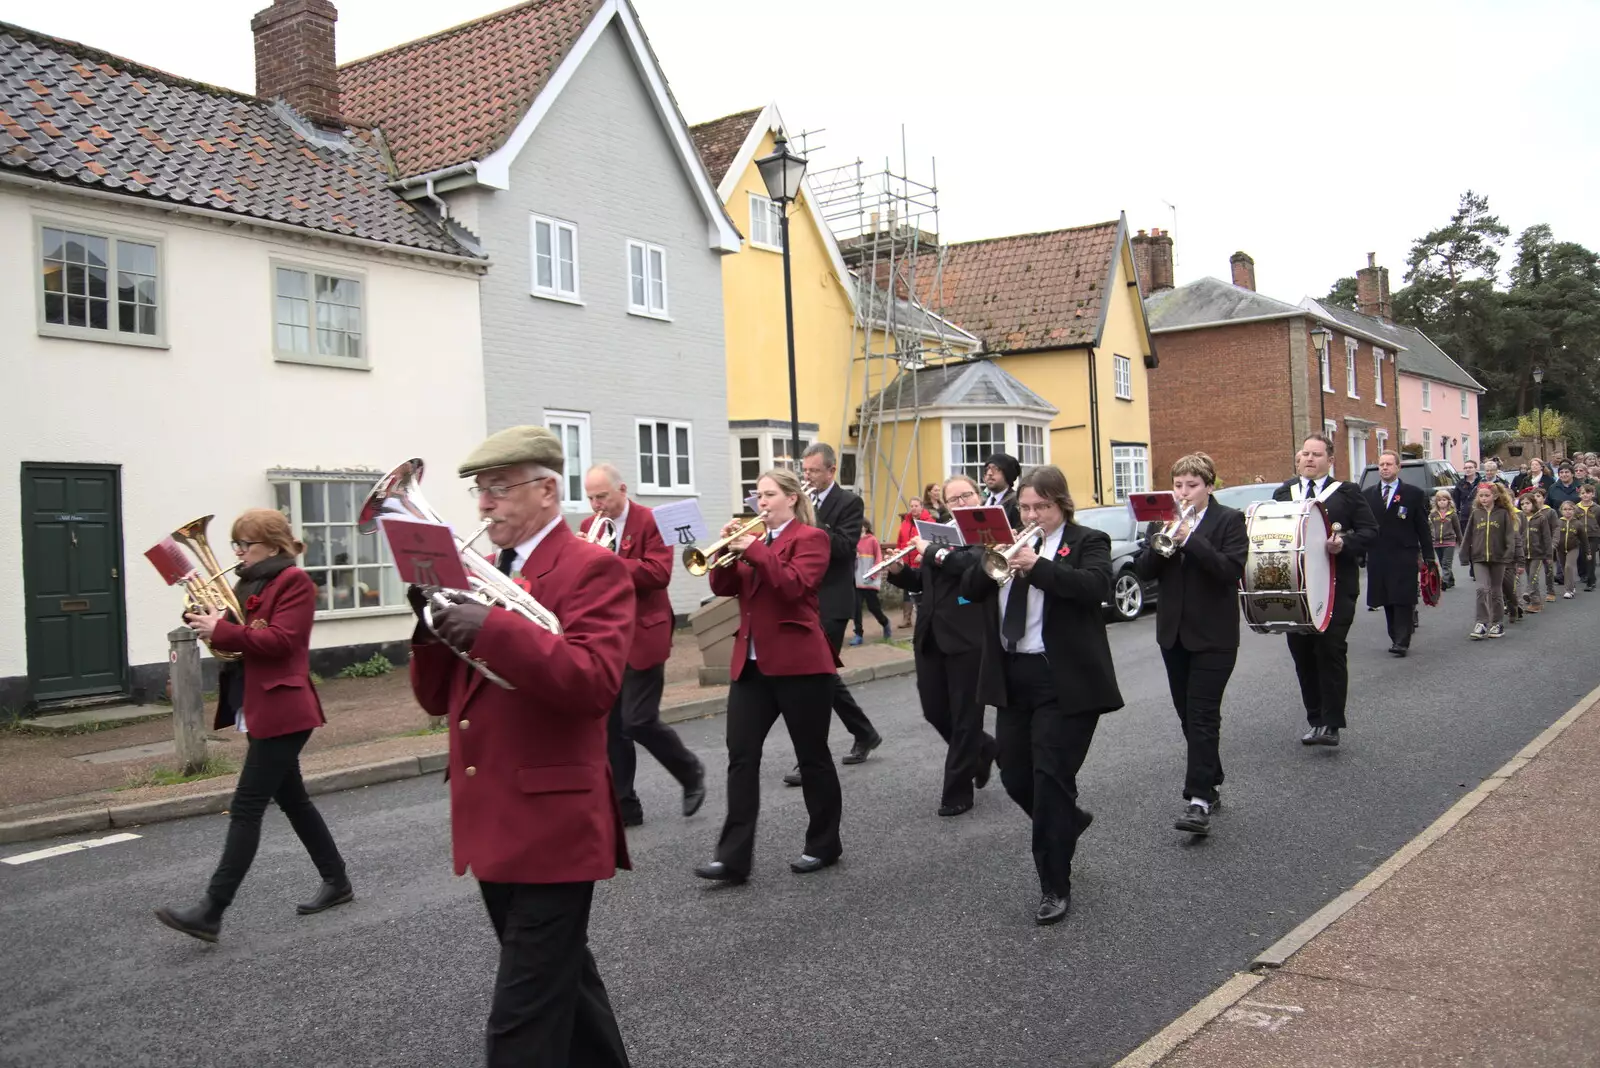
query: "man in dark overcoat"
1392, 556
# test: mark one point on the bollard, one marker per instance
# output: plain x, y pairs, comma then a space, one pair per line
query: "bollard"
188, 700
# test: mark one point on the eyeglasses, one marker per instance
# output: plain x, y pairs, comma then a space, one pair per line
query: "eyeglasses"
500, 493
957, 498
241, 546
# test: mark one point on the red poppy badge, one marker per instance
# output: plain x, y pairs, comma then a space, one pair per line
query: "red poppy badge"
251, 603
627, 542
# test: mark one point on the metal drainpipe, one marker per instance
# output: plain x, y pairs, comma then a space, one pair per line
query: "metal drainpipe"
1094, 426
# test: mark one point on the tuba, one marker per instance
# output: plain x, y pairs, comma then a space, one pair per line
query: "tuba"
997, 562
699, 561
206, 588
400, 493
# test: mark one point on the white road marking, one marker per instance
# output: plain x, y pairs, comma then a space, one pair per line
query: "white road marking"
56, 851
1273, 1020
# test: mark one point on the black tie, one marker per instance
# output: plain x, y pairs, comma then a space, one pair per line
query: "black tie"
1015, 623
1310, 493
770, 536
507, 558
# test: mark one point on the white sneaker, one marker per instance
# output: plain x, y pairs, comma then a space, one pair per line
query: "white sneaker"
1567, 596
1478, 632
1497, 630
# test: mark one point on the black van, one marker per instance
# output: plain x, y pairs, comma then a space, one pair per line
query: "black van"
1427, 475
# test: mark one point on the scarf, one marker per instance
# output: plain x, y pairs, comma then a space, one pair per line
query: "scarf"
254, 579
230, 675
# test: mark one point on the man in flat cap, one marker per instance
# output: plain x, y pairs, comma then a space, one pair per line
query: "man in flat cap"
532, 808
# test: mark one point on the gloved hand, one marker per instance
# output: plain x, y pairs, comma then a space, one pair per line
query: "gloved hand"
458, 625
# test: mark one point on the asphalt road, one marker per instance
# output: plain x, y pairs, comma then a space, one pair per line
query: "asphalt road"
918, 949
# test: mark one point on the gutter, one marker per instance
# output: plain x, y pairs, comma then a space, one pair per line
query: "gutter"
1094, 425
470, 167
213, 215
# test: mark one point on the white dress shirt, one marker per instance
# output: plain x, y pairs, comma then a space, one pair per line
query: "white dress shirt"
1389, 490
773, 535
617, 526
818, 496
1033, 632
525, 550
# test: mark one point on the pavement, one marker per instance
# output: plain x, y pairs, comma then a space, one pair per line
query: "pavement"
918, 948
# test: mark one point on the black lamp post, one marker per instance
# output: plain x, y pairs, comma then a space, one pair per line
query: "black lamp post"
1538, 380
1319, 338
783, 172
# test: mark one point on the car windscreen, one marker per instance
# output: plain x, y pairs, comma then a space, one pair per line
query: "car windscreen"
1117, 522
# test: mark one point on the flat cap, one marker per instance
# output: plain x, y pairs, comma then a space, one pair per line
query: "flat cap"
516, 445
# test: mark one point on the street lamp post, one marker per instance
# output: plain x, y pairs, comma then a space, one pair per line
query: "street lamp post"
783, 172
1319, 338
1538, 381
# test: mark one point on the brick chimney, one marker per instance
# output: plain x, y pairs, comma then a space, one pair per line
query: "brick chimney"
295, 60
1244, 271
1140, 243
1152, 255
1372, 290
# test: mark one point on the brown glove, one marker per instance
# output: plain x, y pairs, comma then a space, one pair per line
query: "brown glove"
458, 625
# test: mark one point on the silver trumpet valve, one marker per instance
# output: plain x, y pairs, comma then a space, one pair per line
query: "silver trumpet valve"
1163, 541
997, 562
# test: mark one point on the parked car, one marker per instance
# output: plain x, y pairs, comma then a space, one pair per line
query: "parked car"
1128, 595
1241, 497
1426, 475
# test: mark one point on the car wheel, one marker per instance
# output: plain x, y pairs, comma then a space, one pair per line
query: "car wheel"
1127, 596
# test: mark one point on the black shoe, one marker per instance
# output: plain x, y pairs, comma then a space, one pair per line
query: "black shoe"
694, 795
1330, 736
985, 769
793, 778
1400, 651
202, 921
808, 864
859, 751
1313, 736
332, 892
632, 818
1052, 909
719, 872
955, 810
1195, 820
1085, 817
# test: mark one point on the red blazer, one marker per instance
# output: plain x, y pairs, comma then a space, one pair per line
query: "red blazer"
276, 642
531, 799
777, 588
649, 563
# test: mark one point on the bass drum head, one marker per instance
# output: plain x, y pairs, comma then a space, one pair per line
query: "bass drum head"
1316, 581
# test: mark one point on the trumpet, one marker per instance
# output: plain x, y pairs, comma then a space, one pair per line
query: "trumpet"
997, 562
890, 560
204, 588
602, 532
699, 561
1163, 541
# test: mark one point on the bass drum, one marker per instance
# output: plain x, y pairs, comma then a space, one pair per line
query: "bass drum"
1288, 576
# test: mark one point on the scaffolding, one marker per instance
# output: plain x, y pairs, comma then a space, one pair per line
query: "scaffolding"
887, 227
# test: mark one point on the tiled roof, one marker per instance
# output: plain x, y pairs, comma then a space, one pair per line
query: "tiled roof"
969, 384
72, 114
1031, 291
1415, 353
457, 96
720, 140
1211, 300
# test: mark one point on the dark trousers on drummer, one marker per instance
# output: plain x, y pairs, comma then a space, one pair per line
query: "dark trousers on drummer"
636, 718
755, 702
855, 721
1321, 662
1197, 681
550, 1008
1041, 751
271, 772
947, 686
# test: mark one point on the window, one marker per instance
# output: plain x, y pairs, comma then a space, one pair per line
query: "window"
1427, 395
555, 259
1130, 470
647, 279
1327, 373
750, 467
317, 318
1404, 434
1466, 448
1330, 427
665, 457
76, 298
849, 467
766, 223
1377, 375
755, 453
352, 571
1030, 444
1350, 366
1463, 404
573, 430
1358, 452
1122, 367
973, 443
780, 452
1383, 439
1427, 438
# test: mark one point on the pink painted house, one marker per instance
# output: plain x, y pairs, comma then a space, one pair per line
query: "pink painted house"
1438, 398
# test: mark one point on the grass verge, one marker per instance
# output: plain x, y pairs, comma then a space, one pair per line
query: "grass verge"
158, 776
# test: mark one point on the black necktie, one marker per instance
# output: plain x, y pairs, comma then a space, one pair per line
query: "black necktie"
1310, 491
770, 536
507, 558
1015, 623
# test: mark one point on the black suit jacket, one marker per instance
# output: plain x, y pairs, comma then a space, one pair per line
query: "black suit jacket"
1076, 583
1009, 503
1347, 507
947, 623
840, 517
1198, 602
1400, 540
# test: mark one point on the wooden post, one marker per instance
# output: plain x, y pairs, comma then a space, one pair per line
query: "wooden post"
188, 700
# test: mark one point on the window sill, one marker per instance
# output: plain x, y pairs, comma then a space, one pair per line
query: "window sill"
1328, 390
321, 361
102, 337
559, 298
1129, 398
765, 248
1353, 396
361, 613
642, 314
1381, 404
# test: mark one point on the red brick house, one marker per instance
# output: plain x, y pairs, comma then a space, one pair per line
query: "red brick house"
1245, 377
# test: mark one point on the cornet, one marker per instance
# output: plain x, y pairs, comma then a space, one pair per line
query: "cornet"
699, 561
602, 532
1163, 541
997, 562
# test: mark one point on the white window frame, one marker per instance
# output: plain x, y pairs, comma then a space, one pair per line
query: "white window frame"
1043, 443
1382, 437
652, 486
1136, 459
1358, 451
112, 334
554, 291
1427, 395
1351, 347
563, 422
313, 271
772, 446
1464, 404
648, 254
1326, 358
1466, 449
287, 487
1122, 374
1377, 376
855, 464
958, 464
1427, 443
774, 214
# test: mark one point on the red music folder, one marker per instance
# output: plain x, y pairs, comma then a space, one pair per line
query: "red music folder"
983, 525
1159, 507
425, 554
170, 560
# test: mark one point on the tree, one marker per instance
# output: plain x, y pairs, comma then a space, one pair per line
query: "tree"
1343, 293
1451, 274
1555, 425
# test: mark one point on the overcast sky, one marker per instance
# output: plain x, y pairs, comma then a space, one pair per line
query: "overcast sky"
1304, 139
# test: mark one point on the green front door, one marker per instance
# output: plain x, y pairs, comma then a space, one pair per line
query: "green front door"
72, 580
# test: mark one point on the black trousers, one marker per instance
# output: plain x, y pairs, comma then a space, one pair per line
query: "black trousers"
1400, 618
1321, 661
855, 721
1041, 752
947, 685
1197, 681
636, 717
271, 772
869, 598
755, 701
550, 1009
